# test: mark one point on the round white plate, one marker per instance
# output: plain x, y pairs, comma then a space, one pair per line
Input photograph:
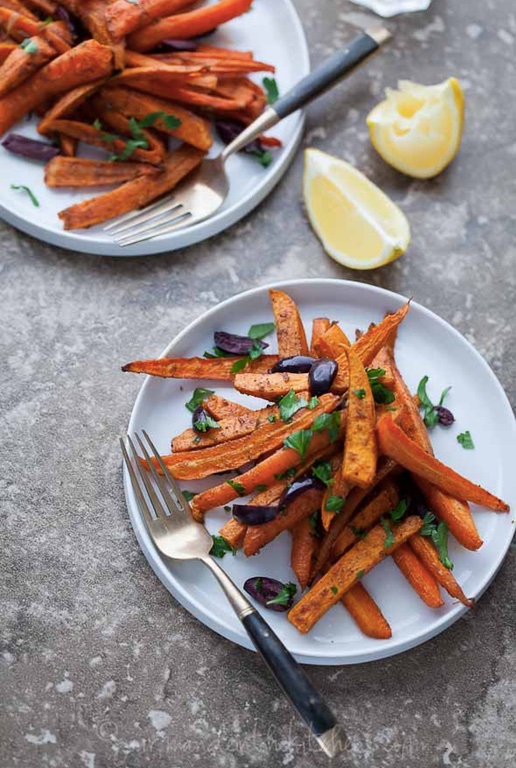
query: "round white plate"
273, 31
426, 345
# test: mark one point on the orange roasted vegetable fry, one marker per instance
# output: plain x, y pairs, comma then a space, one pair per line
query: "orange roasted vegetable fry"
18, 26
338, 488
84, 63
303, 547
360, 451
454, 512
393, 442
382, 502
193, 465
5, 50
366, 613
185, 25
68, 151
319, 326
418, 576
352, 503
79, 172
234, 532
228, 429
221, 408
333, 343
271, 386
194, 130
348, 570
123, 18
427, 553
289, 326
22, 64
133, 194
67, 104
257, 536
196, 367
19, 7
264, 473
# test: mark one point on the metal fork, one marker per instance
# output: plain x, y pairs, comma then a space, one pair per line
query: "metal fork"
202, 193
176, 535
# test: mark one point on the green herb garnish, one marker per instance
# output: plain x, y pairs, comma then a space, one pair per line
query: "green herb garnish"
360, 393
29, 46
264, 157
466, 440
314, 524
189, 495
430, 412
438, 532
359, 532
334, 503
217, 352
169, 121
205, 424
272, 418
389, 538
313, 403
287, 591
34, 200
360, 573
221, 547
399, 510
334, 590
260, 487
290, 404
239, 365
329, 421
237, 487
198, 396
299, 441
286, 474
260, 330
271, 89
382, 394
322, 470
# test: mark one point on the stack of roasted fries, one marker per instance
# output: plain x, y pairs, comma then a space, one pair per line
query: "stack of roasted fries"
348, 468
126, 77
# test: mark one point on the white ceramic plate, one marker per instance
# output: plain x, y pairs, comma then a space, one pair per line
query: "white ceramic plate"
426, 345
273, 31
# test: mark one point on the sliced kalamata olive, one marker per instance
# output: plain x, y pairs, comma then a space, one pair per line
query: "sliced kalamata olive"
234, 344
30, 148
200, 417
294, 364
228, 130
446, 417
265, 590
180, 45
254, 515
302, 484
76, 29
321, 376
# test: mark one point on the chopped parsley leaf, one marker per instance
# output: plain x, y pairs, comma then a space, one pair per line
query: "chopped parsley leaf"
382, 394
284, 596
289, 405
438, 532
272, 418
389, 538
198, 396
334, 590
360, 573
34, 200
430, 411
189, 495
359, 532
313, 403
221, 547
299, 441
260, 330
322, 470
399, 510
205, 424
360, 393
466, 440
237, 487
271, 89
334, 503
329, 421
29, 46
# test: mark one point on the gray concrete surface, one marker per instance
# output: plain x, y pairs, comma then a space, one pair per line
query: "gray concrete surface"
99, 666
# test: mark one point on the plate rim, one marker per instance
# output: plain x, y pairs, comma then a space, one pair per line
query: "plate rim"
159, 565
79, 243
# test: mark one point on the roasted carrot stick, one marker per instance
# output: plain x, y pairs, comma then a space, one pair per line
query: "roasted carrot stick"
5, 50
454, 512
257, 536
366, 613
289, 326
191, 465
79, 172
134, 194
336, 489
228, 429
348, 571
271, 386
264, 473
67, 104
185, 25
393, 442
333, 343
218, 369
384, 500
418, 576
427, 553
18, 26
360, 451
221, 408
86, 62
194, 130
234, 532
141, 61
23, 62
123, 18
19, 7
303, 547
68, 147
319, 327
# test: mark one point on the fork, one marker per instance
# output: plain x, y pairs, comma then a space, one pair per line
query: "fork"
202, 193
176, 535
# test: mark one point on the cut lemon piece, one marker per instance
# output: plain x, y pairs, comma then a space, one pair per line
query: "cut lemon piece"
357, 223
417, 129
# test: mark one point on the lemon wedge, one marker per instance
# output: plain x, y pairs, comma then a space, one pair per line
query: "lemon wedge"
359, 226
417, 129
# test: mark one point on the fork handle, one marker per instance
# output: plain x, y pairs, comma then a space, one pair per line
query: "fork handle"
313, 85
290, 676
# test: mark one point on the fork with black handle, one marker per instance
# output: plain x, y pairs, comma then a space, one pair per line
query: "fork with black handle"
176, 535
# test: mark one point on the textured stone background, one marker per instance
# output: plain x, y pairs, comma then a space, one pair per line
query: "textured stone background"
99, 666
